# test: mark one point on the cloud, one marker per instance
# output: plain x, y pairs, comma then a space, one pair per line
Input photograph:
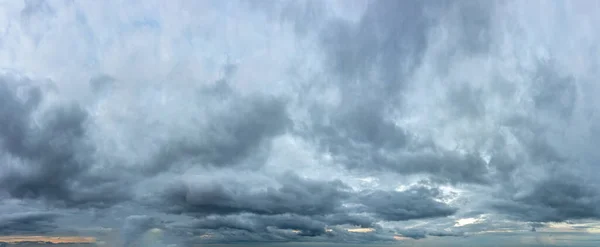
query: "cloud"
240, 130
304, 205
446, 234
297, 121
374, 60
28, 223
136, 225
226, 196
274, 228
230, 209
554, 200
406, 205
48, 155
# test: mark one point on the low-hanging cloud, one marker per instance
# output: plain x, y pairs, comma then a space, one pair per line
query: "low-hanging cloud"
28, 223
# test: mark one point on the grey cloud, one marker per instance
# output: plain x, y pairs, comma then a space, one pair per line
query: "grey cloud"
244, 130
554, 199
227, 210
101, 83
33, 6
413, 233
366, 125
447, 227
405, 205
319, 199
474, 22
251, 227
373, 60
306, 225
296, 195
344, 218
343, 236
274, 228
445, 234
390, 36
449, 166
554, 93
391, 149
32, 18
418, 233
504, 165
466, 102
27, 223
560, 193
524, 128
303, 16
47, 158
136, 225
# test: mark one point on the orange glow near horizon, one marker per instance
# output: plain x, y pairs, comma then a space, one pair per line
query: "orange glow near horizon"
50, 239
400, 238
361, 230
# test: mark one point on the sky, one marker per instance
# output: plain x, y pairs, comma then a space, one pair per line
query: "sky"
301, 123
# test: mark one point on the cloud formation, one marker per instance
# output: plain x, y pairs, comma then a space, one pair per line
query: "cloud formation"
297, 121
28, 222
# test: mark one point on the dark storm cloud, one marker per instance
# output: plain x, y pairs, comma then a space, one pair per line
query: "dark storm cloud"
52, 157
273, 228
238, 212
48, 159
555, 200
261, 223
296, 195
27, 223
302, 197
251, 228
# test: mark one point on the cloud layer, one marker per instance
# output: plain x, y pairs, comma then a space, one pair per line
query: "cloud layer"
297, 121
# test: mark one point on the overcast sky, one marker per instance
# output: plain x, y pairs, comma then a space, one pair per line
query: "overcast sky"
301, 123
